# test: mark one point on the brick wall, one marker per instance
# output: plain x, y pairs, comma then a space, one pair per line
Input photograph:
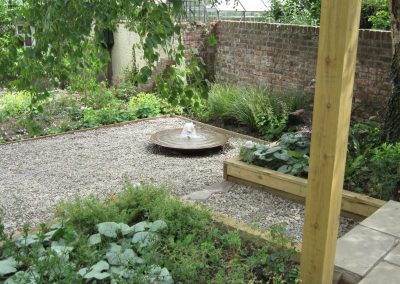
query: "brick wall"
196, 36
285, 56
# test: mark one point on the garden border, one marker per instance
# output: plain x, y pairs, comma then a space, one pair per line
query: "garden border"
355, 205
215, 128
87, 129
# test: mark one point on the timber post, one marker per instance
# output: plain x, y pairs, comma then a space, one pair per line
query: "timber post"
337, 50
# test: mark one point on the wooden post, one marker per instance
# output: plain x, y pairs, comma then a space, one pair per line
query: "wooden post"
338, 41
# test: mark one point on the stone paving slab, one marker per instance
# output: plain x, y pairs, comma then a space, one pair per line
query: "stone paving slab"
383, 273
203, 195
198, 195
386, 219
394, 256
361, 248
220, 187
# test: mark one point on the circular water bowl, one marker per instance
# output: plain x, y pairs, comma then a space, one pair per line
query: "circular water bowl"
172, 139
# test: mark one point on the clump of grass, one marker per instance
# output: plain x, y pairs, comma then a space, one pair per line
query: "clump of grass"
258, 108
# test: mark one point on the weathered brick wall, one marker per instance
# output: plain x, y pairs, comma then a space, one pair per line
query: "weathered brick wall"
196, 36
285, 56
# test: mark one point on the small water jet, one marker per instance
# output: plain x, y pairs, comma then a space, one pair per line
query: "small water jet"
188, 139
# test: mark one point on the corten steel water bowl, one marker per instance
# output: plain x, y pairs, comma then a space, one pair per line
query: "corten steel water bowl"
175, 140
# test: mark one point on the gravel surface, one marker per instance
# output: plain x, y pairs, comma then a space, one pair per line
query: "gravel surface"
36, 175
263, 209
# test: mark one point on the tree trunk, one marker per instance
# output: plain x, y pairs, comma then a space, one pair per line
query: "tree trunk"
392, 116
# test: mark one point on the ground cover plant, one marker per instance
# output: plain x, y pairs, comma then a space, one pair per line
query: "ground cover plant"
65, 110
372, 167
142, 236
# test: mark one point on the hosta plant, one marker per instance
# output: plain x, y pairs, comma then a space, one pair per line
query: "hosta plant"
290, 155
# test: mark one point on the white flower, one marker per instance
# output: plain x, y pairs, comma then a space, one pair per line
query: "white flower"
249, 144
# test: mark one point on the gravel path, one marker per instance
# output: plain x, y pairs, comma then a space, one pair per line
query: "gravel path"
263, 209
36, 175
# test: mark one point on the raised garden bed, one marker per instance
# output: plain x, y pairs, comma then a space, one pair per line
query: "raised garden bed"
235, 170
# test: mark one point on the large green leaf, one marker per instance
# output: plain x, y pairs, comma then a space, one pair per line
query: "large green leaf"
116, 256
285, 169
7, 266
122, 272
96, 271
160, 275
26, 240
94, 239
141, 226
144, 238
60, 248
111, 229
25, 277
273, 150
282, 155
158, 225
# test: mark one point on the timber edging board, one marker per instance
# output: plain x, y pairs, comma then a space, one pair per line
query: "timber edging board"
354, 204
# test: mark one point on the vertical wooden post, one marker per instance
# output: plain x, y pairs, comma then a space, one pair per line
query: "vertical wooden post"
338, 41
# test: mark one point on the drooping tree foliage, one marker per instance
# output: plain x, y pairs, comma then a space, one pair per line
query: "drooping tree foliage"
69, 39
63, 29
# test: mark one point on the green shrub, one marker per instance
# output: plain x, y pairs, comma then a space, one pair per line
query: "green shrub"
143, 235
13, 104
374, 14
364, 136
375, 172
294, 12
101, 97
145, 105
380, 20
105, 115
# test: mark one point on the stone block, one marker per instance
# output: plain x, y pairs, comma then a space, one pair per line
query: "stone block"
385, 219
394, 256
361, 248
384, 273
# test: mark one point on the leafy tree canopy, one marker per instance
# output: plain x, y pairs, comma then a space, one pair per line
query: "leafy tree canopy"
64, 27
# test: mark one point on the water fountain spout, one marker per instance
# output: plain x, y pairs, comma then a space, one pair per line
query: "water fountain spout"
189, 131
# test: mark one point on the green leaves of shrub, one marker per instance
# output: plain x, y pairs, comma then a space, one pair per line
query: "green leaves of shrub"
145, 105
376, 172
289, 156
